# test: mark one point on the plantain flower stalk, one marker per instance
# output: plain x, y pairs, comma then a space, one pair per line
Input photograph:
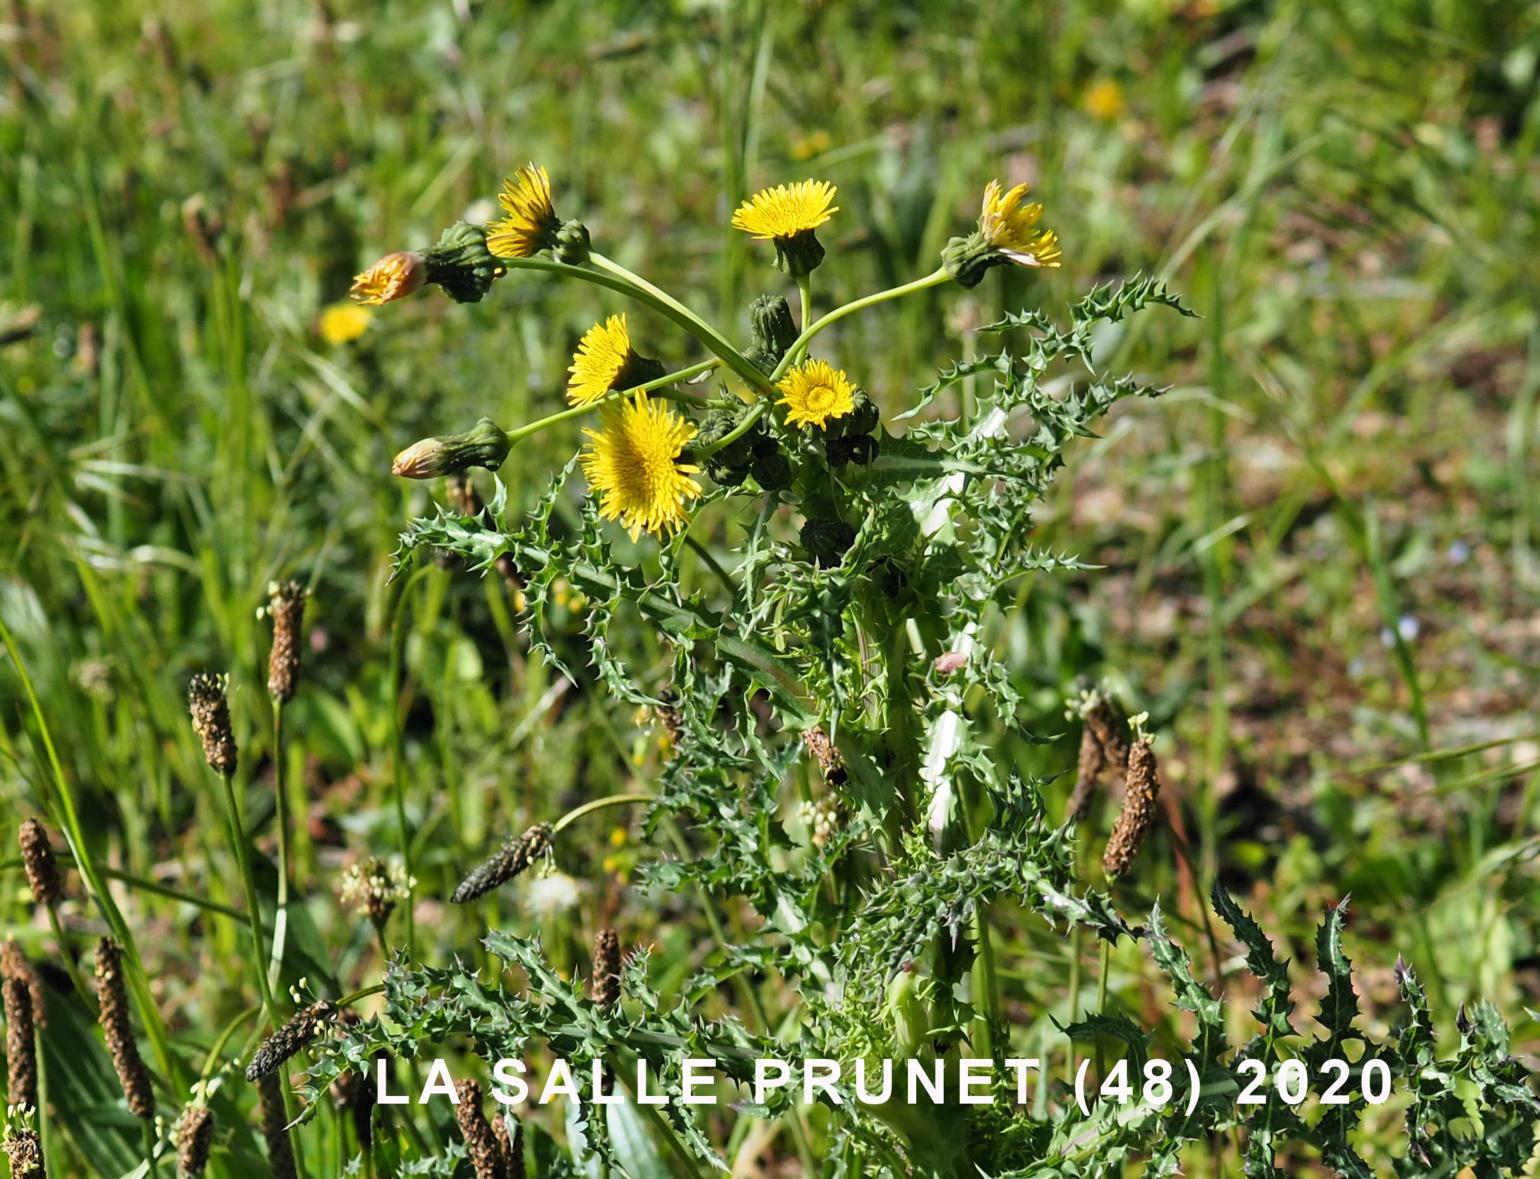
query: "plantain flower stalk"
20, 1045
24, 1149
286, 608
481, 1144
210, 710
194, 1137
113, 997
295, 1035
516, 855
38, 860
1139, 811
280, 1155
604, 985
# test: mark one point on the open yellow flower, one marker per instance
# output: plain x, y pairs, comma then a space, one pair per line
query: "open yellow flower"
530, 224
393, 277
787, 215
815, 393
1010, 227
605, 361
632, 464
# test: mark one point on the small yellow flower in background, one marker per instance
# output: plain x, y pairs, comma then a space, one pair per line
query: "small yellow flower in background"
393, 277
632, 465
342, 323
605, 362
531, 223
1104, 100
815, 143
814, 393
787, 215
618, 837
1010, 227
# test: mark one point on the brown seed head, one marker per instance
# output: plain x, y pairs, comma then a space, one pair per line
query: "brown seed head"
38, 859
1138, 813
604, 986
481, 1145
211, 721
286, 607
511, 1149
516, 855
1103, 753
14, 964
194, 1136
20, 1047
280, 1156
25, 1150
112, 994
292, 1037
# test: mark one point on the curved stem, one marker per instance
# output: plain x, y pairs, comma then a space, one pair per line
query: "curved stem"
618, 278
935, 278
70, 965
237, 835
597, 804
702, 330
212, 1059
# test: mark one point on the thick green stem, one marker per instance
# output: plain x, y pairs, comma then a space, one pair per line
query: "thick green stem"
237, 833
805, 298
935, 278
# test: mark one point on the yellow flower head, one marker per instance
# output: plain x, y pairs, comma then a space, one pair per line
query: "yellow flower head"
342, 323
787, 215
531, 223
393, 277
605, 361
1104, 100
1010, 227
632, 465
815, 393
786, 210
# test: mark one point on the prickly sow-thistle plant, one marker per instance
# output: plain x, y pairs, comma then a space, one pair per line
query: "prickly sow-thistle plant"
824, 581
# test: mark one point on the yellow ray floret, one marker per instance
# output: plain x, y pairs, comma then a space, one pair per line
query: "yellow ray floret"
632, 466
530, 223
393, 277
786, 210
1010, 226
815, 393
603, 356
342, 323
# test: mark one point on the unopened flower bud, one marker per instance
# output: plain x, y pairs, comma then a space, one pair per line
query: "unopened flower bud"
393, 277
774, 329
827, 541
461, 263
572, 245
484, 445
771, 471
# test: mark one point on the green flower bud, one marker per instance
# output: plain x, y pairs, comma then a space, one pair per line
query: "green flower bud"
771, 471
774, 329
484, 445
724, 473
864, 418
719, 424
863, 448
907, 1009
462, 264
827, 541
800, 254
572, 244
968, 259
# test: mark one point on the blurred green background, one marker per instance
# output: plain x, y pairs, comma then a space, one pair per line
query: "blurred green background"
1321, 576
